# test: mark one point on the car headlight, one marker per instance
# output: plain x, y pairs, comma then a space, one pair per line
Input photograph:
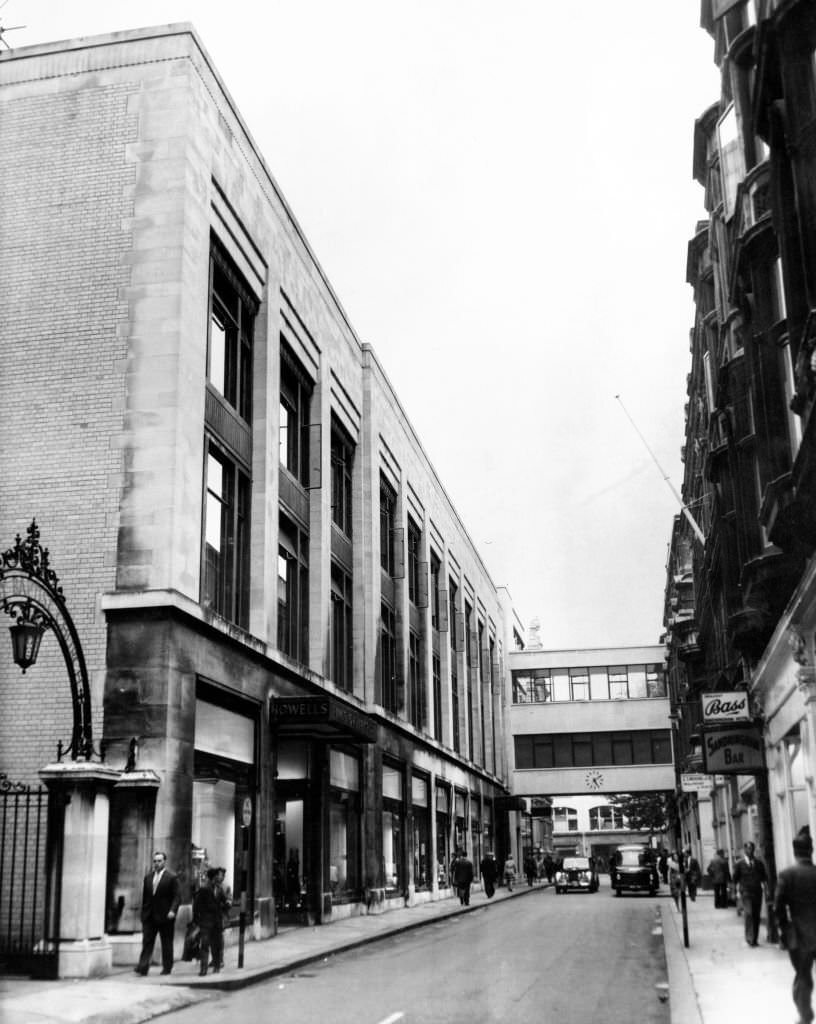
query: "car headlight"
559, 876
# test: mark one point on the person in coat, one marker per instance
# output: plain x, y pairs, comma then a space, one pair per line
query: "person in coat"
750, 877
489, 871
208, 915
693, 873
509, 872
720, 875
161, 895
223, 896
463, 877
796, 914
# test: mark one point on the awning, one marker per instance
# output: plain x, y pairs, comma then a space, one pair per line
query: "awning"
510, 803
323, 717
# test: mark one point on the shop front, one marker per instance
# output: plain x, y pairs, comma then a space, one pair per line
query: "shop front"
319, 746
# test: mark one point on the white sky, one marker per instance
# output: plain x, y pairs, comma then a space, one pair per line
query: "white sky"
501, 196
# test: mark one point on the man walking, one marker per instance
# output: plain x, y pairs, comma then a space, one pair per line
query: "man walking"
720, 875
750, 877
489, 869
463, 877
796, 914
161, 896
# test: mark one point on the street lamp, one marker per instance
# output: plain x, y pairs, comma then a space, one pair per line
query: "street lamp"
30, 593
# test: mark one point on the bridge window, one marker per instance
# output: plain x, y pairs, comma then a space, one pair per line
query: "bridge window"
582, 750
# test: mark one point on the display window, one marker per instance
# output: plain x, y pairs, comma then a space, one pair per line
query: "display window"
460, 822
223, 794
443, 829
289, 851
393, 828
344, 825
475, 831
421, 838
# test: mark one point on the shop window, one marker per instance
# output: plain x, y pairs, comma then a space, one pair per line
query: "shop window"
421, 844
393, 829
443, 828
475, 832
225, 571
460, 822
795, 782
344, 825
223, 774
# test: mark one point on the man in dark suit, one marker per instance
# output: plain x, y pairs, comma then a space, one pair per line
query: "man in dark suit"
796, 914
751, 877
161, 895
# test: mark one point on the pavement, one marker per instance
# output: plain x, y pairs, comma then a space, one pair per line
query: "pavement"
717, 979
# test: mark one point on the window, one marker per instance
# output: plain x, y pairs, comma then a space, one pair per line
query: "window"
565, 819
605, 817
420, 801
481, 656
344, 825
732, 163
443, 828
388, 659
225, 576
655, 681
436, 568
436, 668
454, 662
618, 683
342, 457
578, 750
414, 555
415, 679
295, 402
579, 683
232, 319
393, 828
341, 629
388, 507
293, 590
469, 670
493, 710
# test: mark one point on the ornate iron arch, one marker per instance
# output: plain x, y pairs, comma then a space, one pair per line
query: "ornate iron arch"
31, 594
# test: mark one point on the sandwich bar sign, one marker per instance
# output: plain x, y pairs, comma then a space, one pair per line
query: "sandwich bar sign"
733, 751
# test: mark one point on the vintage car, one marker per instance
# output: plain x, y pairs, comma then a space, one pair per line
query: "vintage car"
576, 873
633, 868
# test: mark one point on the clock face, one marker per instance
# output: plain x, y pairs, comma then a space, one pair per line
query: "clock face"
594, 779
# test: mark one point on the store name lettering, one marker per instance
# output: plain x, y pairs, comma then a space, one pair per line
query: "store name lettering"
299, 709
724, 707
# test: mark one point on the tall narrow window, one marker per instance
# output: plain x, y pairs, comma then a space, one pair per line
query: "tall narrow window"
436, 667
293, 590
388, 660
436, 568
225, 578
342, 458
295, 403
454, 662
232, 318
388, 511
469, 670
414, 553
342, 643
415, 680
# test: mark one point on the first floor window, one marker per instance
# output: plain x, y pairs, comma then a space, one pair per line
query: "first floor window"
293, 591
342, 644
416, 681
225, 576
436, 667
388, 660
455, 703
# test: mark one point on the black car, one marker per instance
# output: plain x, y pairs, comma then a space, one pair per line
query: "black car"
578, 874
633, 868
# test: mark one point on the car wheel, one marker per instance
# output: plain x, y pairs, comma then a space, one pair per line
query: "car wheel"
652, 891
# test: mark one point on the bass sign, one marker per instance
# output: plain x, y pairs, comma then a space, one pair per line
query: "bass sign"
731, 706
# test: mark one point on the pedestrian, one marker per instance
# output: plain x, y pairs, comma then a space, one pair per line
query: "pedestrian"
692, 873
509, 872
750, 877
796, 914
463, 877
161, 895
489, 869
675, 877
529, 869
549, 867
539, 864
663, 866
720, 875
207, 915
223, 896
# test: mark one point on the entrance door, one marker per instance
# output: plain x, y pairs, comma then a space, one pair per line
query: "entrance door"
290, 857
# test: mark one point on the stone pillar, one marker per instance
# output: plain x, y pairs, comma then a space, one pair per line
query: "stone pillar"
84, 949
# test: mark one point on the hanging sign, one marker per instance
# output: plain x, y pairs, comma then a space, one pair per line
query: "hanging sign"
730, 706
695, 782
733, 751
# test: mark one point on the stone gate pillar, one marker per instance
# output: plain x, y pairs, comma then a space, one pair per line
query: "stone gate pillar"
84, 786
